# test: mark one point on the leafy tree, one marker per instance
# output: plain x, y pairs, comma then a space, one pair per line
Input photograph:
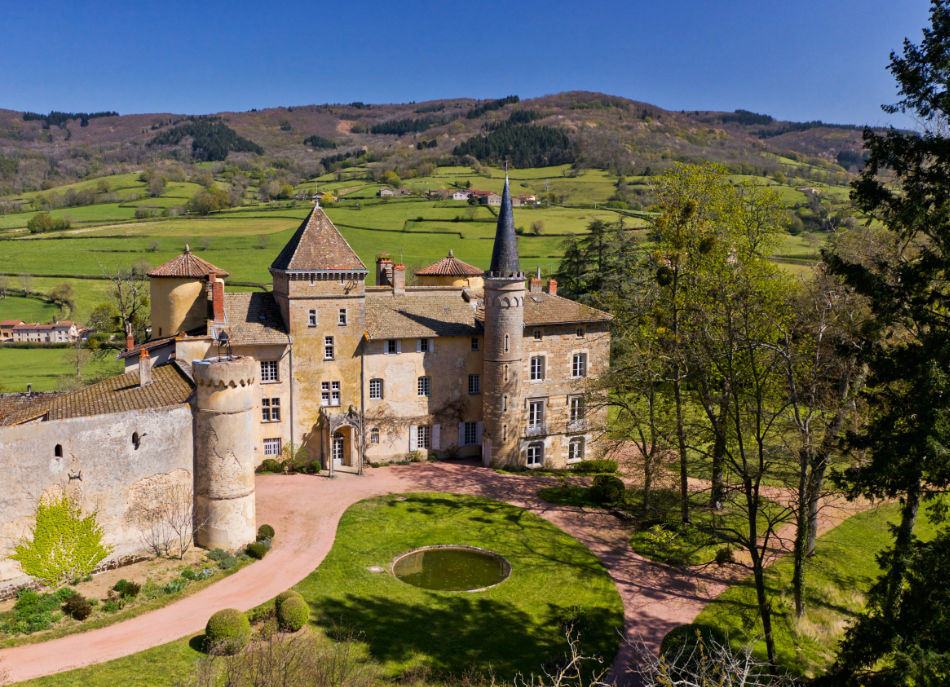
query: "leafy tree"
43, 222
904, 187
64, 542
208, 200
390, 178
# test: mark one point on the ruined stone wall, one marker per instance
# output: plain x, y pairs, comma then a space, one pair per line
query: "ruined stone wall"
447, 365
101, 465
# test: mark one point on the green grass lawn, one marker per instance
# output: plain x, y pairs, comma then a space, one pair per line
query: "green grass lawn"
516, 626
658, 533
44, 368
838, 577
27, 309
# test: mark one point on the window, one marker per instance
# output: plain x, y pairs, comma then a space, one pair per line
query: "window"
470, 434
579, 365
268, 370
392, 346
329, 393
270, 410
328, 348
58, 451
424, 346
535, 454
575, 449
504, 403
537, 334
312, 318
537, 368
474, 343
423, 436
271, 447
376, 389
535, 414
374, 435
341, 317
474, 384
136, 440
506, 343
576, 405
580, 332
424, 386
506, 372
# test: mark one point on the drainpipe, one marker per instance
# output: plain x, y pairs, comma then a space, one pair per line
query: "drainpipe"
290, 362
362, 456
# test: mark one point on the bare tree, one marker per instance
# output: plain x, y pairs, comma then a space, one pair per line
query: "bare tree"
128, 291
26, 281
166, 520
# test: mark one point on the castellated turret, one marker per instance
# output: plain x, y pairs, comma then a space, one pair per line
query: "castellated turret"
504, 328
225, 453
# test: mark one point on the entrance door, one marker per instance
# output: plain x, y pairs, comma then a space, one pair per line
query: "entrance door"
337, 447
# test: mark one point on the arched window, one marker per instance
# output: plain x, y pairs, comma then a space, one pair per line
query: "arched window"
136, 440
58, 451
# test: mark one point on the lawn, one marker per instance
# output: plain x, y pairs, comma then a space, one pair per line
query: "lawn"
838, 577
515, 626
47, 368
27, 309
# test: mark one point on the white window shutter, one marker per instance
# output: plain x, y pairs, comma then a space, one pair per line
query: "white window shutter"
435, 437
461, 441
413, 438
418, 345
431, 345
478, 432
398, 346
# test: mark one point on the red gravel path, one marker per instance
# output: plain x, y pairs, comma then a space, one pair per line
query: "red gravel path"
305, 512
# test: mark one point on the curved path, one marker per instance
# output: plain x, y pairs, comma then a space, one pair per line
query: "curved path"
305, 512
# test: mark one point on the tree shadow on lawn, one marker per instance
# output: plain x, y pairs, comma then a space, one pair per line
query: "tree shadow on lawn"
462, 634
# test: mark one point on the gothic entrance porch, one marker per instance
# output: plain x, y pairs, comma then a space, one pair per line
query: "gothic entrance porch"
341, 441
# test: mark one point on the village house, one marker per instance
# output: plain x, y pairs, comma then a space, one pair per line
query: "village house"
6, 329
58, 332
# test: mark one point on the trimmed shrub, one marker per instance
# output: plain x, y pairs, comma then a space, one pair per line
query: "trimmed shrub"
227, 632
128, 590
78, 606
257, 549
684, 636
271, 465
218, 554
588, 467
314, 467
283, 596
228, 562
607, 490
265, 532
293, 614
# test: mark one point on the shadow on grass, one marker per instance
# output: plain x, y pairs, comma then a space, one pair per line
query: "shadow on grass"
464, 634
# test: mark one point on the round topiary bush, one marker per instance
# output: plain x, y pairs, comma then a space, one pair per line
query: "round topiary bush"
293, 614
227, 632
256, 549
283, 596
679, 640
607, 490
265, 532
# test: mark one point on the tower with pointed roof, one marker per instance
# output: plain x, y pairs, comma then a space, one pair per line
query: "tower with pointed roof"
504, 327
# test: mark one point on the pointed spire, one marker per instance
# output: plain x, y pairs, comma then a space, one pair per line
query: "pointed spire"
504, 256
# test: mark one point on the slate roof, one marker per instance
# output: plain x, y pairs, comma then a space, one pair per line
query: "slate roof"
170, 386
419, 315
504, 254
450, 266
254, 318
186, 265
317, 245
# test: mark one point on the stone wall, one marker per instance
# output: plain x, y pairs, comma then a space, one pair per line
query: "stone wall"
108, 462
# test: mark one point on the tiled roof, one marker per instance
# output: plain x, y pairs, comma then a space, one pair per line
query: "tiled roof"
149, 346
186, 265
419, 315
254, 318
451, 266
317, 245
170, 386
10, 323
15, 403
543, 308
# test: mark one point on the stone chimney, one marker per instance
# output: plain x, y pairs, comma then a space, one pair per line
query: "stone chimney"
129, 339
145, 368
552, 287
399, 279
217, 300
384, 271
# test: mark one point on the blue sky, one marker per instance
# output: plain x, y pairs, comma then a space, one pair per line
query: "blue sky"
793, 60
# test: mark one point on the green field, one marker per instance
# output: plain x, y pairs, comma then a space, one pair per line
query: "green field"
27, 309
50, 369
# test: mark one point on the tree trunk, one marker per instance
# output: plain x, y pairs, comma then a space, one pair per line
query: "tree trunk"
765, 612
717, 491
802, 534
681, 440
902, 546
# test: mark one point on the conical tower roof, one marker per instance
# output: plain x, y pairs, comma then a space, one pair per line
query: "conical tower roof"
186, 265
450, 266
504, 255
317, 245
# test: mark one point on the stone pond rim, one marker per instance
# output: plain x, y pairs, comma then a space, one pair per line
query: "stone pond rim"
483, 569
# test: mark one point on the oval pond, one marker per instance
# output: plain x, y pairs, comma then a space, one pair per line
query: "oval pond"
451, 568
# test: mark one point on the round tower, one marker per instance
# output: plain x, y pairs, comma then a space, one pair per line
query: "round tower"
179, 292
504, 329
225, 452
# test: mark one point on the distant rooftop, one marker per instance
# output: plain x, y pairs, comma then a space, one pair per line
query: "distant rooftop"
450, 266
